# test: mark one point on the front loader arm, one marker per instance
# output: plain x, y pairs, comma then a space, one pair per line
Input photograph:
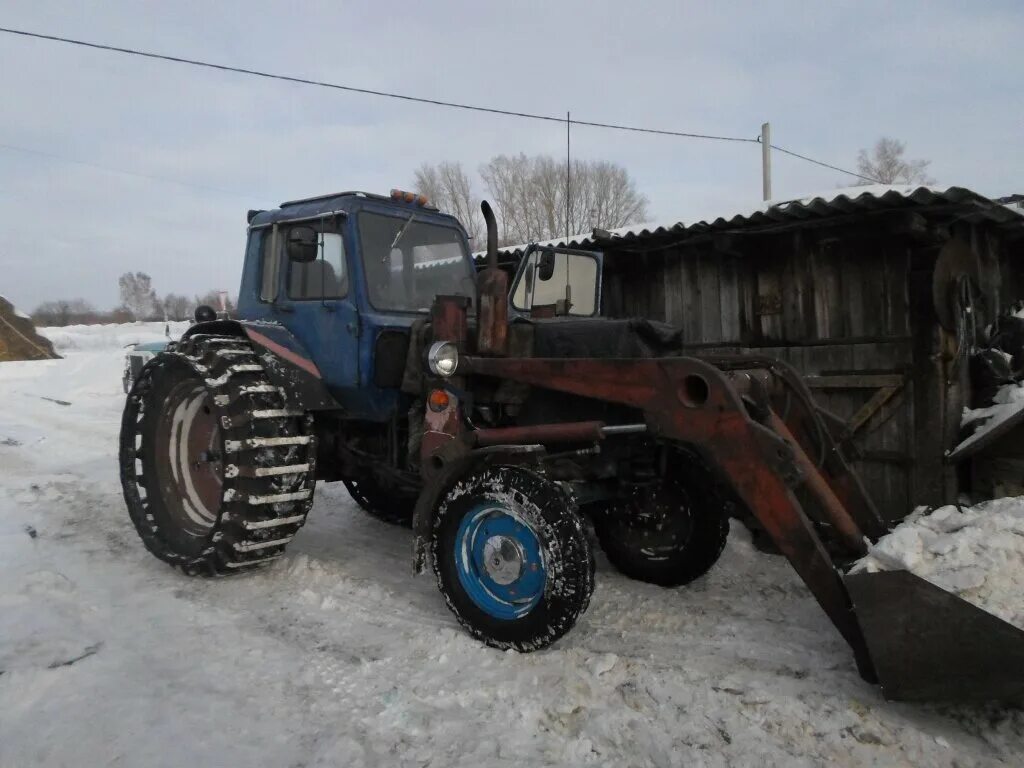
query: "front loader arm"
728, 419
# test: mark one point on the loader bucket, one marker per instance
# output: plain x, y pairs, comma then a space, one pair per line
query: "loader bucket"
928, 644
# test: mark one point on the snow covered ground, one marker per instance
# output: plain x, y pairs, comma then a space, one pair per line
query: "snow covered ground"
338, 656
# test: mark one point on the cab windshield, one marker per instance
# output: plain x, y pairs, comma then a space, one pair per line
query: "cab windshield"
409, 261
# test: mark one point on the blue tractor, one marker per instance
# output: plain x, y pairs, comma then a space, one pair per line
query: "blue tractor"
501, 422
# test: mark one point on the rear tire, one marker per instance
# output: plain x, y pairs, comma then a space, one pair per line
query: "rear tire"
217, 471
512, 558
668, 535
378, 502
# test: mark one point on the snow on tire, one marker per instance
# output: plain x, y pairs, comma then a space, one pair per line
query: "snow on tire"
217, 471
512, 558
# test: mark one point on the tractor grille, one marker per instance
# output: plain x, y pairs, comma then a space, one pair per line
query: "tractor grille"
389, 358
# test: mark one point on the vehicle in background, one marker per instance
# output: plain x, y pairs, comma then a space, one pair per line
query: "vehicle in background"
140, 354
136, 357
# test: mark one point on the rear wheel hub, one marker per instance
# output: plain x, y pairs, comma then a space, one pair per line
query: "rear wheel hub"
189, 464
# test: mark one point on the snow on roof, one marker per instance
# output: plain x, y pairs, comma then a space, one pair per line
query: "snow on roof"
826, 204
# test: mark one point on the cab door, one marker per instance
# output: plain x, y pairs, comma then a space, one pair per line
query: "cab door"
316, 300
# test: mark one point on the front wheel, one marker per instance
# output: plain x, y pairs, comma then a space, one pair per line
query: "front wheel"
512, 558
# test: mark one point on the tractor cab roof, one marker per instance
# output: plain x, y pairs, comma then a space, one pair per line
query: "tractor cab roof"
341, 202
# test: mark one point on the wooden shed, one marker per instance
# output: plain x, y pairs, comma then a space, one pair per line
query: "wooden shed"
876, 294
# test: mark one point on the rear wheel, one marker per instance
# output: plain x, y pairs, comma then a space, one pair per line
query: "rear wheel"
512, 558
216, 470
373, 498
668, 533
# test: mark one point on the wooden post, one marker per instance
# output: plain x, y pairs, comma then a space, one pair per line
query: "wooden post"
927, 478
766, 160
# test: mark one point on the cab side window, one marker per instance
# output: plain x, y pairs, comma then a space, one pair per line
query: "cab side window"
324, 278
270, 252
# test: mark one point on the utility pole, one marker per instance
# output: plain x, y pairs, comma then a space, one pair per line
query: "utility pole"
568, 175
766, 160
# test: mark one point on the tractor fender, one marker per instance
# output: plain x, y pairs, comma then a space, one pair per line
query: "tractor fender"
435, 489
287, 363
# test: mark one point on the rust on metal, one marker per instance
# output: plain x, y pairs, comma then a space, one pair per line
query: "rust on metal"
439, 428
492, 290
571, 432
492, 319
777, 385
693, 402
448, 319
828, 503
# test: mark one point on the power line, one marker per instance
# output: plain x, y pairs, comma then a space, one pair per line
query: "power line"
109, 169
824, 165
355, 89
407, 97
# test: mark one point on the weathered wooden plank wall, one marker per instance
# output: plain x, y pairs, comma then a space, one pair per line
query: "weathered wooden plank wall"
851, 300
828, 306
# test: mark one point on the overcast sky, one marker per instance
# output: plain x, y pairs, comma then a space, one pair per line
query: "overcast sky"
831, 77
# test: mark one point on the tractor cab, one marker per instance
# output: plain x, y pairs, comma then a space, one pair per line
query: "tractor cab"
346, 276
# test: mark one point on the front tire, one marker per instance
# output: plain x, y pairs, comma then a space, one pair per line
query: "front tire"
512, 558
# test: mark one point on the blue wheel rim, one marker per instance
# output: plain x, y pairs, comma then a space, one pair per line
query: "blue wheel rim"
499, 562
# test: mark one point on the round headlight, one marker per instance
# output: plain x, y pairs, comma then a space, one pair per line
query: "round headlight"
443, 358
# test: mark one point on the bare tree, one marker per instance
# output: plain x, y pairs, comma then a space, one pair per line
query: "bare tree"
138, 296
52, 313
534, 200
448, 187
886, 164
177, 307
508, 180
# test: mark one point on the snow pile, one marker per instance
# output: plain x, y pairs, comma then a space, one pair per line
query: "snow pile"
976, 552
111, 335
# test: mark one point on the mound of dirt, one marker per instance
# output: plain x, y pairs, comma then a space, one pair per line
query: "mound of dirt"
18, 337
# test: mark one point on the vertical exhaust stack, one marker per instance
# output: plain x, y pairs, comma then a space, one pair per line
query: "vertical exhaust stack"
492, 289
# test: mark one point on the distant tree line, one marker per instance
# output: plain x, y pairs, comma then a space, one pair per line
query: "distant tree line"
139, 301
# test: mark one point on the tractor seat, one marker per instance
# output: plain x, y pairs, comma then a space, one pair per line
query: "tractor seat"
314, 280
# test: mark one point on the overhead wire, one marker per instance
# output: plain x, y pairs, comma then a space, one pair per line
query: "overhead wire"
411, 98
355, 89
790, 152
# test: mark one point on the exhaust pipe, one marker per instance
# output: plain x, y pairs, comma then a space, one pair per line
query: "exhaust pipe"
492, 290
492, 235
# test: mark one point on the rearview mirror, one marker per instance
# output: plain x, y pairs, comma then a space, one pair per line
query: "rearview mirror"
302, 244
546, 265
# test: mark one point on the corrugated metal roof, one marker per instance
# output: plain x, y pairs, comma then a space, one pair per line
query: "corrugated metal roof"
958, 201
